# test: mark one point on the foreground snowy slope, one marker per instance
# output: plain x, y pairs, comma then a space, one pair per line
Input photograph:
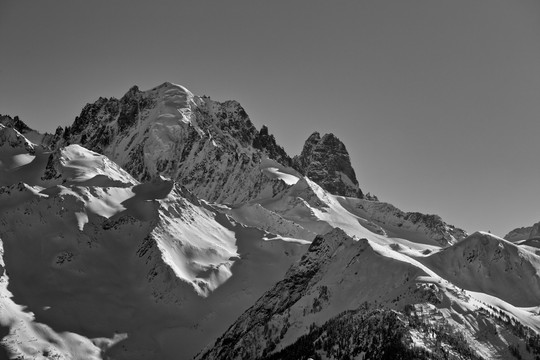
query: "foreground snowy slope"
138, 264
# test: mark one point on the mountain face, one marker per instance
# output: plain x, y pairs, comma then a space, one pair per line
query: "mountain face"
326, 161
164, 225
209, 147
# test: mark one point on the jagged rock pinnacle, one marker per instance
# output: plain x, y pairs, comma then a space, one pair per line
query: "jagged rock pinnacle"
326, 161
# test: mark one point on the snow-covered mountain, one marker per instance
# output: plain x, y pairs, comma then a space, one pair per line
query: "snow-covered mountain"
211, 148
164, 225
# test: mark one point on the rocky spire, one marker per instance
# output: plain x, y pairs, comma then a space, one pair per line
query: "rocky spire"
325, 160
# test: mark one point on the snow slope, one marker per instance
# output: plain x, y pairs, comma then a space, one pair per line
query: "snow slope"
306, 208
124, 265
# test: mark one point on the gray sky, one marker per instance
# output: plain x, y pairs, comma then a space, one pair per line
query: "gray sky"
438, 102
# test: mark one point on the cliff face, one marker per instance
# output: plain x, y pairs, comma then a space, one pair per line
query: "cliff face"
326, 161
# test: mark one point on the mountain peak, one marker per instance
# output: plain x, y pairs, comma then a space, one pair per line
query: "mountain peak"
314, 137
133, 89
326, 161
331, 140
170, 88
210, 147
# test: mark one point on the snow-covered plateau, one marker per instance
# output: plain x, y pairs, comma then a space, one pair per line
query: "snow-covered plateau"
165, 225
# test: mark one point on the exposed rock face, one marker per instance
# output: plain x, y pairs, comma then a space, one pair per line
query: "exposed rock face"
326, 161
267, 143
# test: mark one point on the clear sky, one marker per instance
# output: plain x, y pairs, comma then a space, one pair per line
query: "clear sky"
438, 102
